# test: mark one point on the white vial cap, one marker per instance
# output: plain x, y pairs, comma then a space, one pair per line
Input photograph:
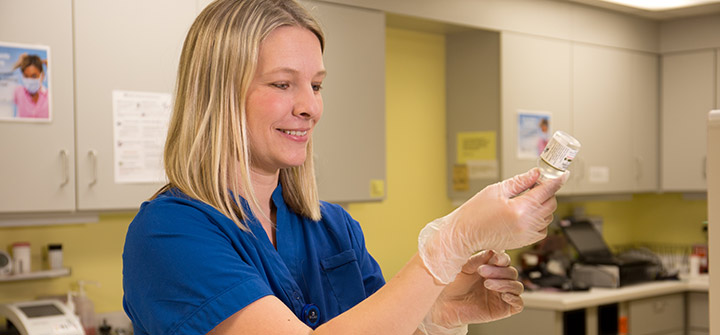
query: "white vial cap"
566, 140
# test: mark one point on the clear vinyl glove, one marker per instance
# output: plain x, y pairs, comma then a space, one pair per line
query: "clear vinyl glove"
499, 217
486, 290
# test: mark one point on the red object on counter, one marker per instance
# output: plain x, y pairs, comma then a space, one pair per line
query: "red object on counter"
701, 250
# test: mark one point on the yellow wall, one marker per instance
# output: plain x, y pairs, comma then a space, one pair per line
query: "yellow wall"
416, 191
647, 218
92, 251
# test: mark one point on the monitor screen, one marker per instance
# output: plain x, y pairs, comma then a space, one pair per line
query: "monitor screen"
587, 240
38, 311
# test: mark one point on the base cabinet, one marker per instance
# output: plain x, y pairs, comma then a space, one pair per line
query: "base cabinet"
698, 313
529, 321
657, 315
683, 313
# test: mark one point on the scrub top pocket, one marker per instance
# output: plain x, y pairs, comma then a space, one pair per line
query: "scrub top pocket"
343, 273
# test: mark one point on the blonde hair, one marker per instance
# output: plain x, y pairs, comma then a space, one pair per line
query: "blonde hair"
206, 152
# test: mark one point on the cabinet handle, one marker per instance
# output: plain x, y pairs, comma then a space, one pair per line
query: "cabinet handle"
659, 307
704, 168
638, 167
93, 160
66, 168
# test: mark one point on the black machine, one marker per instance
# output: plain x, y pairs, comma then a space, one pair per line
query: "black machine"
598, 266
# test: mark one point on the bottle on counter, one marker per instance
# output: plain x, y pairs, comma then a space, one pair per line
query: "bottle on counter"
85, 308
55, 256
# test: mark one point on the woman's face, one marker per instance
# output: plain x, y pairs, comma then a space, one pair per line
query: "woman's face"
32, 72
32, 79
283, 101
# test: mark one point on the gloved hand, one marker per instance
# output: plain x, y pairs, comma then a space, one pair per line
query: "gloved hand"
498, 217
486, 290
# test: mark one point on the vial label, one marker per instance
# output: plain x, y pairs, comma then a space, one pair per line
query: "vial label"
558, 155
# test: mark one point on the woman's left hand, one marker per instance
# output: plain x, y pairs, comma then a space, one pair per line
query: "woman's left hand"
486, 290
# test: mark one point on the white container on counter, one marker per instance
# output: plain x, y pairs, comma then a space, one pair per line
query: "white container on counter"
21, 257
55, 256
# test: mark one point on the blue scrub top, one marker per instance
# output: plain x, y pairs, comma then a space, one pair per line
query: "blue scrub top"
187, 267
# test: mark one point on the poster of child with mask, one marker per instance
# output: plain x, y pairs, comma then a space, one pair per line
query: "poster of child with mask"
533, 132
24, 83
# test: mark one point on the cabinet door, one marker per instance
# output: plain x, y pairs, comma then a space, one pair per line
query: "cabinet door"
657, 315
643, 82
349, 142
615, 117
120, 45
535, 74
698, 311
688, 93
36, 168
530, 321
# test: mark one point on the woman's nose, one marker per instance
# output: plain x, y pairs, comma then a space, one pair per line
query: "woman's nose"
308, 104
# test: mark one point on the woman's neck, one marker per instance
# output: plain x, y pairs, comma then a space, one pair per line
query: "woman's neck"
264, 184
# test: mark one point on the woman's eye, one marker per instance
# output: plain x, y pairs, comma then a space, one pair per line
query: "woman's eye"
280, 85
317, 87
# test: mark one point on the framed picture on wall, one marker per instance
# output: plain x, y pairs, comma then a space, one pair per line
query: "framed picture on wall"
25, 83
533, 131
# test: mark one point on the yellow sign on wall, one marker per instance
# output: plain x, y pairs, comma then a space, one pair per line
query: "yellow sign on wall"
476, 146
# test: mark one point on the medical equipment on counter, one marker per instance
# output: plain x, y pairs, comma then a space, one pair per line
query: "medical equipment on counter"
598, 266
42, 317
5, 264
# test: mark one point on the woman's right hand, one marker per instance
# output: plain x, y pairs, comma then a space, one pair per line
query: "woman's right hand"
499, 217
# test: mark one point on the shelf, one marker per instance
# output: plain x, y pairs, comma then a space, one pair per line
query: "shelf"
36, 275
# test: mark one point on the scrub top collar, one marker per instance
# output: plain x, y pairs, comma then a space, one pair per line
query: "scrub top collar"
284, 250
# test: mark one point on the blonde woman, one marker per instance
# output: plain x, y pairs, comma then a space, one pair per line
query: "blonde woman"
238, 242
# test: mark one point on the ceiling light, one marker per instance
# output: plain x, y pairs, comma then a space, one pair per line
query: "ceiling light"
657, 5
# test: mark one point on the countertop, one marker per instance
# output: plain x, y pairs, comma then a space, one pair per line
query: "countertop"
564, 301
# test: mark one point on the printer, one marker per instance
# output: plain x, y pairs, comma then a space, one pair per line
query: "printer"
597, 266
40, 317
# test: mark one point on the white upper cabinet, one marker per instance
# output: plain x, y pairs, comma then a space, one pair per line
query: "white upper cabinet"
605, 97
688, 94
127, 46
535, 77
37, 170
100, 47
615, 94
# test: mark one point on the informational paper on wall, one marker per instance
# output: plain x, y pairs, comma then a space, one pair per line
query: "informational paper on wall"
140, 122
476, 151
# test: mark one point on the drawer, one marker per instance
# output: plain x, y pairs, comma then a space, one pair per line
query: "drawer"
698, 311
657, 315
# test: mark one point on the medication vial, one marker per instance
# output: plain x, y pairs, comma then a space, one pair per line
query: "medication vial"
557, 155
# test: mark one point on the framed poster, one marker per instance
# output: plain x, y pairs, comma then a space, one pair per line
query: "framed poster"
533, 129
25, 83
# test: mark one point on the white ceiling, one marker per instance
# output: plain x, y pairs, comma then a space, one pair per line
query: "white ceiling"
700, 10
